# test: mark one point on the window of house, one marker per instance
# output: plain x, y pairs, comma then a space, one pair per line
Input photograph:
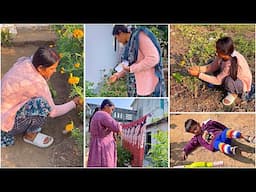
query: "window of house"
148, 142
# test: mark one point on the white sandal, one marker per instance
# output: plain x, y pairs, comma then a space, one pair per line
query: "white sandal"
39, 140
230, 99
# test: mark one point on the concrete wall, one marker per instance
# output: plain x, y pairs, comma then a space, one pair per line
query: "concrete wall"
100, 55
163, 126
155, 106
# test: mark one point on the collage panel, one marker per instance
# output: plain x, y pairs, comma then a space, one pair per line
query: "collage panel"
207, 140
128, 95
126, 60
42, 67
126, 132
212, 67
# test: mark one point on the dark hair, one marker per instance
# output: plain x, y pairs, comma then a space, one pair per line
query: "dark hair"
189, 123
120, 28
106, 102
45, 56
225, 46
95, 110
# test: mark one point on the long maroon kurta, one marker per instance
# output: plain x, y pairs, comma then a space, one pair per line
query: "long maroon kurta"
103, 152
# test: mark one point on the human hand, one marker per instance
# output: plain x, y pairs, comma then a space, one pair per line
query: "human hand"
184, 156
120, 132
78, 101
121, 128
194, 71
126, 68
113, 78
194, 68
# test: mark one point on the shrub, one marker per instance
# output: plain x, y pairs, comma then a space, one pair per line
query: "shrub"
124, 157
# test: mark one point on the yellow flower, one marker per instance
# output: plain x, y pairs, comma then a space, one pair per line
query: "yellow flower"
61, 55
77, 65
81, 101
78, 33
69, 127
182, 63
62, 70
73, 80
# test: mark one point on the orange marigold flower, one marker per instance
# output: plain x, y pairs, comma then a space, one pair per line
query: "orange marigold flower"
73, 80
77, 65
78, 33
69, 127
81, 101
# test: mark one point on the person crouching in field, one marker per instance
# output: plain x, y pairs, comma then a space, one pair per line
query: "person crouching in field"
234, 72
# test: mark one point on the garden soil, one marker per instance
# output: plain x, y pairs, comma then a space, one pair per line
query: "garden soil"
64, 152
207, 99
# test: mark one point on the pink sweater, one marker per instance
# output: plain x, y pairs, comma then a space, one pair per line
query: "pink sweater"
244, 72
19, 85
143, 68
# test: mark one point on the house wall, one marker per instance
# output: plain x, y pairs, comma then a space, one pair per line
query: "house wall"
158, 107
153, 129
100, 55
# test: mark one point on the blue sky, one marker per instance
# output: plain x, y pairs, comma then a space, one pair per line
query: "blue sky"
120, 103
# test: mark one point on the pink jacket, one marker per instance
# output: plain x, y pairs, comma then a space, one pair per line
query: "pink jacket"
19, 85
143, 68
244, 72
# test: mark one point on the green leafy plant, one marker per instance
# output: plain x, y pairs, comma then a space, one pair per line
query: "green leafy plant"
198, 40
70, 45
124, 157
89, 91
117, 89
159, 150
77, 134
178, 77
6, 37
